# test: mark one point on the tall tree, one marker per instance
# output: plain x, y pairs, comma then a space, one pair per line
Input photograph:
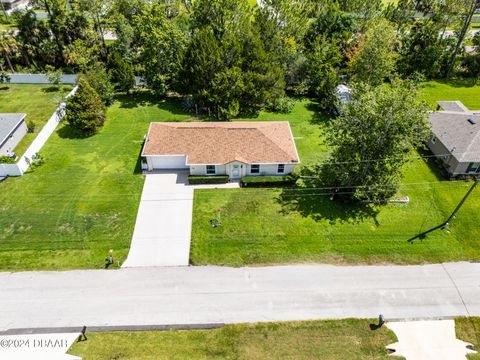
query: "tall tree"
375, 60
161, 44
8, 46
85, 110
322, 76
372, 139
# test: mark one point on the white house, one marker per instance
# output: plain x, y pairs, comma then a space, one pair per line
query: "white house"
12, 130
235, 149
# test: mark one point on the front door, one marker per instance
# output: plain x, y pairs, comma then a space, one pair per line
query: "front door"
235, 171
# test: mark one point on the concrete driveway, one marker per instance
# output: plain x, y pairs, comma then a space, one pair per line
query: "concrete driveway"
164, 222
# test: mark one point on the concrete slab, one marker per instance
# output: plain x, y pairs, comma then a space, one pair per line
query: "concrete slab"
428, 340
164, 221
38, 346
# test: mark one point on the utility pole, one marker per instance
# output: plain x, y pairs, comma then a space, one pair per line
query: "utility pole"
466, 25
477, 180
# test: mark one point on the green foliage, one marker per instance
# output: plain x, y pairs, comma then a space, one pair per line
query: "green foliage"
322, 61
7, 160
375, 60
4, 78
269, 181
31, 126
282, 105
213, 179
54, 77
99, 80
121, 73
227, 68
372, 139
161, 44
85, 110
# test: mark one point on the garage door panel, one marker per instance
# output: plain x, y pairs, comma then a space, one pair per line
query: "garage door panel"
168, 162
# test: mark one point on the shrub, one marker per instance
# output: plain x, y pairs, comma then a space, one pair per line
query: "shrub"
269, 181
54, 77
31, 126
4, 78
7, 160
218, 179
282, 105
85, 110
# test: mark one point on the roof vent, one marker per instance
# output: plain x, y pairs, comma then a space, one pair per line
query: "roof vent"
472, 121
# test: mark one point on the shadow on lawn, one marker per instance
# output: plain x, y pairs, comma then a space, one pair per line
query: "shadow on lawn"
423, 235
316, 204
69, 132
319, 117
146, 98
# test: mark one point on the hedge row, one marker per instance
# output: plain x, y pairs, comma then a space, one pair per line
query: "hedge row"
215, 179
268, 181
7, 160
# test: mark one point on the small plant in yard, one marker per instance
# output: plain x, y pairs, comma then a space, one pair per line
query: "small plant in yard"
31, 126
54, 77
4, 78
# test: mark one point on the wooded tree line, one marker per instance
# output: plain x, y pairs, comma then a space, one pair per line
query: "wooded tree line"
233, 57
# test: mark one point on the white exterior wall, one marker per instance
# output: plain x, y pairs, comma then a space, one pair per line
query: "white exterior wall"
16, 137
271, 169
201, 170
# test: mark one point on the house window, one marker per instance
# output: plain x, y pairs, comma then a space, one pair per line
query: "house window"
210, 169
254, 169
473, 168
281, 168
434, 140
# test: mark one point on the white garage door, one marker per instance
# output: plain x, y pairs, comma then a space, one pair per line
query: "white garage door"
167, 162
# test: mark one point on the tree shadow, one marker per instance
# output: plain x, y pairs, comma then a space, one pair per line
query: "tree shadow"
4, 88
318, 205
50, 89
146, 98
456, 82
434, 164
69, 132
319, 117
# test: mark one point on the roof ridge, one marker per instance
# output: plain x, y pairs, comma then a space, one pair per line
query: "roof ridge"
474, 140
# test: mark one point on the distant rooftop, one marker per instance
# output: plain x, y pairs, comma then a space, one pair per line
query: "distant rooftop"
458, 128
8, 123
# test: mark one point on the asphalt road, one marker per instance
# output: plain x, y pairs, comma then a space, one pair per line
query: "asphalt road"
197, 295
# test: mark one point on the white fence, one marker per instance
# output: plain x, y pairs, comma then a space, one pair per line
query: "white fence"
23, 164
39, 79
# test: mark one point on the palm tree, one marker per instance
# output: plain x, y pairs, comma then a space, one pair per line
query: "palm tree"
8, 45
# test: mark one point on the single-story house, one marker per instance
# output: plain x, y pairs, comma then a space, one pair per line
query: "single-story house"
456, 137
12, 130
235, 149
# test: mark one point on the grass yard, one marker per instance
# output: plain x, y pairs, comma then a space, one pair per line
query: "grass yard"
468, 329
267, 226
67, 213
37, 101
328, 340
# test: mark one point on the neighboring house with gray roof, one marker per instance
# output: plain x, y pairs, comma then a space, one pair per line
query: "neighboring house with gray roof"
456, 137
12, 130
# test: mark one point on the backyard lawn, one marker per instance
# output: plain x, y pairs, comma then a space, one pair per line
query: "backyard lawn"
329, 340
37, 101
266, 226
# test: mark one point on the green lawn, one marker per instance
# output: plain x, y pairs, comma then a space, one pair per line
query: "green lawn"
83, 201
327, 340
37, 101
468, 329
463, 90
266, 226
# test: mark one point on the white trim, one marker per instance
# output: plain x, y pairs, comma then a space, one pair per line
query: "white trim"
294, 144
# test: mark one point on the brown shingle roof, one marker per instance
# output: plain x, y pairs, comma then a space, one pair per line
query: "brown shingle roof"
223, 142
